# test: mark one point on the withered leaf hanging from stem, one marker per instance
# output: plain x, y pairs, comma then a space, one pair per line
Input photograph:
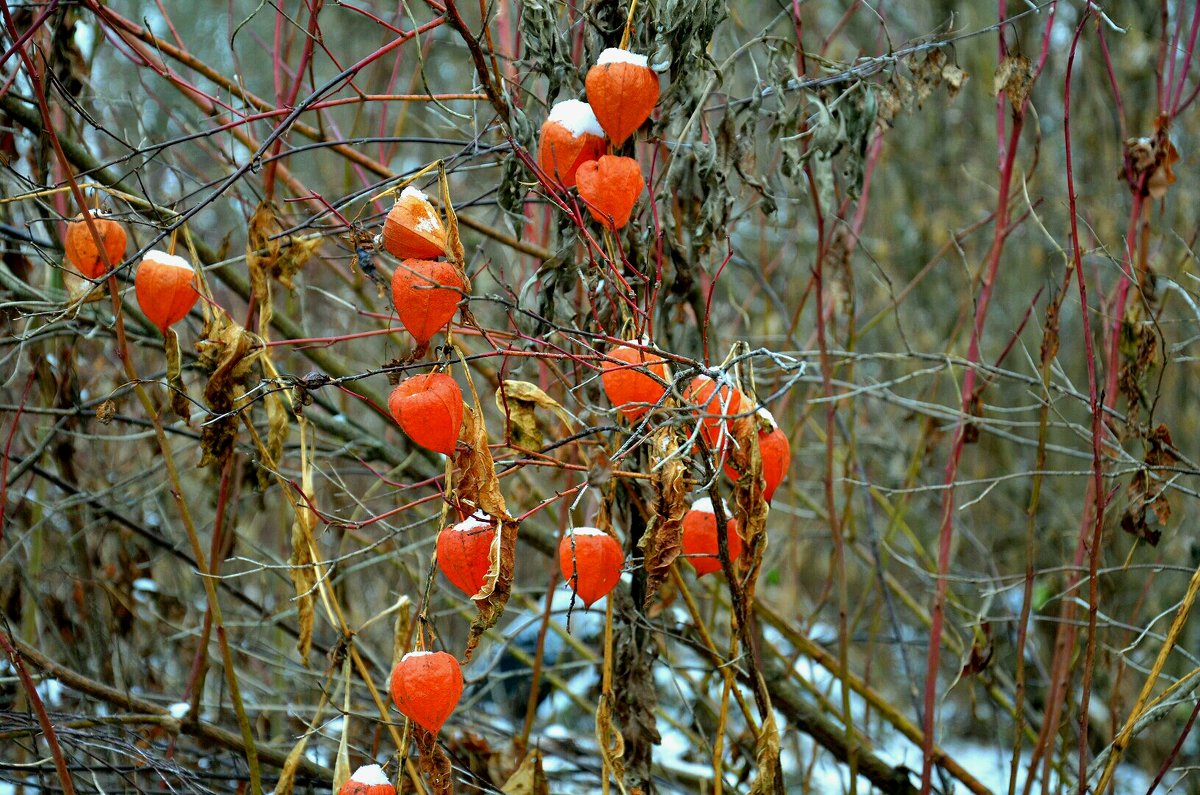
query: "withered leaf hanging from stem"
476, 484
662, 542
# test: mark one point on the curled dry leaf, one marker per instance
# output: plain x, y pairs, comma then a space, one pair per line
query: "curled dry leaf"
434, 763
304, 576
227, 352
529, 778
663, 540
750, 505
271, 253
475, 483
179, 396
517, 401
1014, 76
767, 778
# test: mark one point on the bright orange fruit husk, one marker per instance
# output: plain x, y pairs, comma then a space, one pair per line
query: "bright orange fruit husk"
412, 229
718, 407
464, 553
426, 294
426, 687
80, 246
626, 386
622, 95
700, 545
611, 186
569, 141
590, 561
166, 288
429, 408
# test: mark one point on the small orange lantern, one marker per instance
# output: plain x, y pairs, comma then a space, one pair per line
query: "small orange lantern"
700, 545
630, 390
719, 406
412, 229
570, 136
622, 91
429, 408
426, 687
775, 450
80, 246
591, 561
611, 186
166, 288
426, 294
464, 552
368, 780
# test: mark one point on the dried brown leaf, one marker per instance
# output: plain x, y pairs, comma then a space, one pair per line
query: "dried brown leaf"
766, 775
518, 401
105, 412
662, 542
476, 484
179, 396
269, 253
612, 744
433, 762
1014, 77
750, 504
227, 352
303, 574
529, 778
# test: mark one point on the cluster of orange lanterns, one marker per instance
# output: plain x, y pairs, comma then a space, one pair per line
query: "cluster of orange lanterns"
622, 92
165, 284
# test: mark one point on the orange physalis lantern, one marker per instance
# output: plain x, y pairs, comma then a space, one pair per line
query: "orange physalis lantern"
775, 450
464, 552
622, 91
368, 780
611, 186
413, 229
570, 136
429, 408
426, 294
426, 687
719, 405
166, 288
80, 246
591, 561
629, 389
700, 545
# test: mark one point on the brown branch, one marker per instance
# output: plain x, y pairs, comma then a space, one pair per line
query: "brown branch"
194, 728
481, 67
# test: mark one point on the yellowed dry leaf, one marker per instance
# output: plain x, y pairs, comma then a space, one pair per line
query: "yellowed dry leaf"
529, 778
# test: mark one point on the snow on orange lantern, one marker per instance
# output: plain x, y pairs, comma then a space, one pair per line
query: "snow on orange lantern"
368, 780
429, 408
570, 136
80, 246
622, 91
700, 544
719, 404
629, 389
166, 288
464, 552
611, 186
426, 294
775, 450
426, 687
412, 229
591, 561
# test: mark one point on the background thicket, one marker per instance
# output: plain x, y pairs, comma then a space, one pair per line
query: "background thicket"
950, 246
